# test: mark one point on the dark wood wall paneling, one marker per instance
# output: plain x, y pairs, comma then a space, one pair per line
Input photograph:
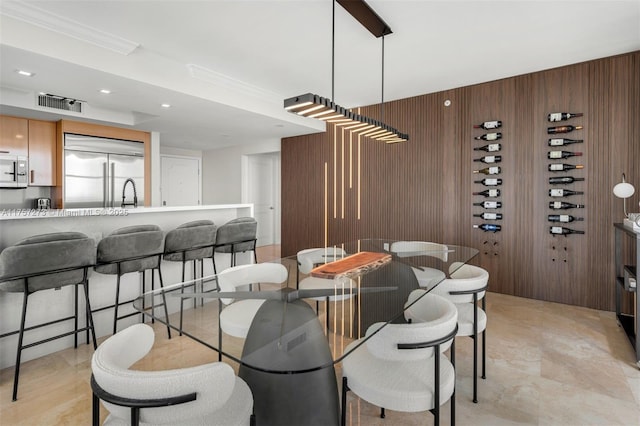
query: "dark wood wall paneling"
422, 189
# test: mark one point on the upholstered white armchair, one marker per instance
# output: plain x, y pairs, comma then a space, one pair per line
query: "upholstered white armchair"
427, 277
402, 367
465, 287
209, 394
235, 316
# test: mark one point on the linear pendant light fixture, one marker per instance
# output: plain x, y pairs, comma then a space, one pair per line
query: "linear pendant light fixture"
314, 106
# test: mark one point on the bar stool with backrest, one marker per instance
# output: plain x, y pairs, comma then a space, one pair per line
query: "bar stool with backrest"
45, 262
135, 248
190, 242
237, 236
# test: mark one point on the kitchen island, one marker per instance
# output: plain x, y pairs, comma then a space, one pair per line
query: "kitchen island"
16, 224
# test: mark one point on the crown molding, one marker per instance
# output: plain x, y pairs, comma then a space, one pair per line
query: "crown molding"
57, 23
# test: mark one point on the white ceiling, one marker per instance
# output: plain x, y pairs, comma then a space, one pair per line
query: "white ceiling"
256, 53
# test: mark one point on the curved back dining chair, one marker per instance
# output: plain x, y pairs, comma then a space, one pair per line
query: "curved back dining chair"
208, 394
467, 286
310, 258
427, 277
235, 316
402, 367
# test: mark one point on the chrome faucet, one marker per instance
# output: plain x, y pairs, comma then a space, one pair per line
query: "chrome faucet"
135, 194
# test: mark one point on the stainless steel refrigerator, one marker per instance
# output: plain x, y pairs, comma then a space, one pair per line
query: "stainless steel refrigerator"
98, 171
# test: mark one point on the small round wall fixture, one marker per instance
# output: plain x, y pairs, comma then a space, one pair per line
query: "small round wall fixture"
447, 103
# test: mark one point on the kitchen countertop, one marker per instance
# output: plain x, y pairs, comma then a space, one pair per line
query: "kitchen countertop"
17, 214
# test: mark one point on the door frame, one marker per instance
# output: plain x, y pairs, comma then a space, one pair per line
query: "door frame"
187, 157
245, 169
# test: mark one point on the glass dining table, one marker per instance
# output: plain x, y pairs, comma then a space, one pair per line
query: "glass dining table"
299, 335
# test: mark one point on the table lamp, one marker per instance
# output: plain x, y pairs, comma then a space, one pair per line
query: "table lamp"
624, 190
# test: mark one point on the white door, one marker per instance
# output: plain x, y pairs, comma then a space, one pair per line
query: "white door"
180, 181
263, 180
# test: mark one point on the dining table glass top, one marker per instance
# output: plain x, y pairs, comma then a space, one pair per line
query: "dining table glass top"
307, 322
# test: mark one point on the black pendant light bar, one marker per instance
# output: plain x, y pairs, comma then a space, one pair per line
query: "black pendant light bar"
314, 106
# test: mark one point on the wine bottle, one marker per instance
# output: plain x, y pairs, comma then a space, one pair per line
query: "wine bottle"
559, 167
489, 170
562, 154
489, 204
562, 129
564, 218
563, 141
563, 205
561, 230
489, 159
553, 192
489, 125
489, 216
563, 180
488, 227
489, 193
489, 136
562, 116
489, 182
492, 147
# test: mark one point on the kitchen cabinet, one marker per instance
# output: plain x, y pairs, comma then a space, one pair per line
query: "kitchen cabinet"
626, 276
34, 139
42, 153
14, 136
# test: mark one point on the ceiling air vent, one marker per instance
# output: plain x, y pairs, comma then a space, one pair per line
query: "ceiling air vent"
59, 102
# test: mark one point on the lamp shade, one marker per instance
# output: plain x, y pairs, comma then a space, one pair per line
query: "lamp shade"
623, 190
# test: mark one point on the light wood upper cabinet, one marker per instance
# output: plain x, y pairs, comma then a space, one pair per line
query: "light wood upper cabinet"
42, 153
14, 136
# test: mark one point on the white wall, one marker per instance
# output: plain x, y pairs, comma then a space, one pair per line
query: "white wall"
222, 171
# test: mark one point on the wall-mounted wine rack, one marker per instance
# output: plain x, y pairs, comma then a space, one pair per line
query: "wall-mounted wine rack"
491, 192
560, 151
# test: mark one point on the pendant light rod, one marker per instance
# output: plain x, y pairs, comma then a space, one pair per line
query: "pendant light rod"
382, 95
333, 51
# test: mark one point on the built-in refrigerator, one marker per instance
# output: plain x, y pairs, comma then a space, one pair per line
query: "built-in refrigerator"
98, 171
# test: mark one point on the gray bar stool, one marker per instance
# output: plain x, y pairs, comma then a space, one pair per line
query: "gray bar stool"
44, 262
135, 248
237, 236
191, 241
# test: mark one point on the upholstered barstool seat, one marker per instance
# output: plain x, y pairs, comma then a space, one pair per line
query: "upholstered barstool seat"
237, 236
190, 242
135, 248
44, 262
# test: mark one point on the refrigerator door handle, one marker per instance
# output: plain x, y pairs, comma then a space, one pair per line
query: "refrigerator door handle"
105, 189
113, 182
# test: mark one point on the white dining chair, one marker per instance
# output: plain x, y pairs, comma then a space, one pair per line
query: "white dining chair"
235, 316
402, 367
427, 277
208, 394
310, 258
465, 287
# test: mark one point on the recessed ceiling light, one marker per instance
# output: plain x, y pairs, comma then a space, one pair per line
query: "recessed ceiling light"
105, 91
166, 105
25, 73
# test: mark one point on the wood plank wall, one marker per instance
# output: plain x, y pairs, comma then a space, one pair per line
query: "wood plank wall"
422, 189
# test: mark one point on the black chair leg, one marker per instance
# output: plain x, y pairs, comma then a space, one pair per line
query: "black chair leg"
95, 411
115, 308
164, 300
75, 316
343, 413
182, 292
16, 373
90, 325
